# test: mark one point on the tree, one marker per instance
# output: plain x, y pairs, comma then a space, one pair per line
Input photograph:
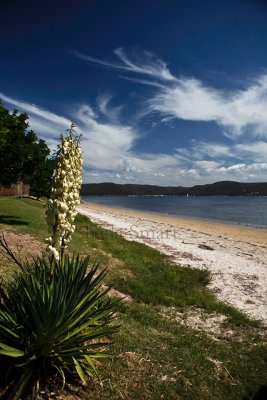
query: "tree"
23, 157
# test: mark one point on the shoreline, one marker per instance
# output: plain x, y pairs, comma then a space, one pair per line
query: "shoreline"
250, 215
244, 232
235, 256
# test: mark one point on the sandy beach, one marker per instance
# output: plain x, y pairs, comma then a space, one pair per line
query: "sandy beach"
235, 255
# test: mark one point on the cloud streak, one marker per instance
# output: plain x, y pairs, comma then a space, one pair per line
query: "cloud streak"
109, 144
105, 144
46, 123
37, 112
144, 62
237, 112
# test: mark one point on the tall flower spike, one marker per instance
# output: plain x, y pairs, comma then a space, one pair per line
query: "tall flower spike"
65, 193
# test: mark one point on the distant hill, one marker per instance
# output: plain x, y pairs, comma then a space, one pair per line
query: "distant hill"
225, 188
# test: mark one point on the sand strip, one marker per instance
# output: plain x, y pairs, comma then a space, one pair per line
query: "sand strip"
235, 255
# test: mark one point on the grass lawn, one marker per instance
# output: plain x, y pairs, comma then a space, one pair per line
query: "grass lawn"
156, 354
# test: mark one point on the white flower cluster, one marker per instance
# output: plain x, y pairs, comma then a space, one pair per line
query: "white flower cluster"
65, 193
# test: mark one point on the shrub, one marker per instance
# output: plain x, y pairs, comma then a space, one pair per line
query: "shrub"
53, 322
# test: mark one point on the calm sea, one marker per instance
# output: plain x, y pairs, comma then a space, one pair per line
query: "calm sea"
251, 211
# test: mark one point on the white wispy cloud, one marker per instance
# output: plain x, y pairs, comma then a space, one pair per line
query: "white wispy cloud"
236, 111
41, 120
248, 152
253, 151
255, 171
207, 165
109, 149
105, 144
140, 62
109, 143
111, 113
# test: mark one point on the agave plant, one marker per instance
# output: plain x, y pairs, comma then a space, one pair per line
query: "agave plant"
54, 321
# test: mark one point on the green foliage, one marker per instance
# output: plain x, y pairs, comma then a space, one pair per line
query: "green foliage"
22, 155
158, 357
53, 316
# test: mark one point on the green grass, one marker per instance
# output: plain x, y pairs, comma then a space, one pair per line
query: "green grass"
157, 357
25, 215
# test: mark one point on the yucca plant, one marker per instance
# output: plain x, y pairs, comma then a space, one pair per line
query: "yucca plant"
53, 322
54, 314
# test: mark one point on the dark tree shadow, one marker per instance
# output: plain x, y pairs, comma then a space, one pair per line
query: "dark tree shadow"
12, 220
260, 395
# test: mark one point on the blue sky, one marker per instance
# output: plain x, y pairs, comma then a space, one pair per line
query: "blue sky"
164, 92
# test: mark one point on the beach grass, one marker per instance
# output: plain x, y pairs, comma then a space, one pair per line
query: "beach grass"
156, 355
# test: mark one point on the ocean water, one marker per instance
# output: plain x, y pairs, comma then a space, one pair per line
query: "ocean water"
250, 211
